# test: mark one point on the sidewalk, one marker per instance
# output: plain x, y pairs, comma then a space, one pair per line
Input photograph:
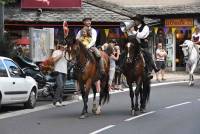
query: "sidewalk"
175, 76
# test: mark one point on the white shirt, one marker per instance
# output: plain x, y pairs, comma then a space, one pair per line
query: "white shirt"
160, 55
94, 37
61, 64
196, 37
143, 34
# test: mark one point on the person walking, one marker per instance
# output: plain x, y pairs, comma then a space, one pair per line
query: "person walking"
160, 61
60, 71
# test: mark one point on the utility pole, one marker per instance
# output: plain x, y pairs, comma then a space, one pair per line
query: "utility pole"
1, 20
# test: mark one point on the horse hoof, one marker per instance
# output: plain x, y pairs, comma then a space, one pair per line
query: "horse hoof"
94, 110
142, 110
136, 113
132, 112
191, 84
82, 117
98, 112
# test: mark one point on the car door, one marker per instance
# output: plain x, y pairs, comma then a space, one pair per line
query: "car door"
19, 90
5, 84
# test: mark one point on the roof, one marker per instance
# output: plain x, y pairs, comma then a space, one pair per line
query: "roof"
88, 10
145, 3
118, 9
166, 10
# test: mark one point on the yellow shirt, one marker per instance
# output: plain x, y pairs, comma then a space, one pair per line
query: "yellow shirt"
85, 41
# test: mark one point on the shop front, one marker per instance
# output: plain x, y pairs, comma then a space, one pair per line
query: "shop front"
176, 31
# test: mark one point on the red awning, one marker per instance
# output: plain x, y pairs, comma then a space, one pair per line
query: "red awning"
23, 41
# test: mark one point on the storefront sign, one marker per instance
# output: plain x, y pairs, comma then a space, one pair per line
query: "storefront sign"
186, 22
50, 4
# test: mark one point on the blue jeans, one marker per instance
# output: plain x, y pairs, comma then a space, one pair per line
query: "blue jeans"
60, 79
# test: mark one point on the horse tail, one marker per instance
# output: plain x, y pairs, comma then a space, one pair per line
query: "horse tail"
105, 91
146, 90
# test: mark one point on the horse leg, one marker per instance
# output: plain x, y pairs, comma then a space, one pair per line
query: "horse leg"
142, 104
191, 77
131, 93
136, 100
94, 106
98, 111
104, 94
85, 100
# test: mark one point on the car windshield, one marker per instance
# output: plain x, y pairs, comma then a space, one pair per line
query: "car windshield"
3, 72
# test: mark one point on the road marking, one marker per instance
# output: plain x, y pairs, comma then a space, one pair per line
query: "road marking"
184, 103
102, 129
26, 111
198, 99
49, 106
132, 118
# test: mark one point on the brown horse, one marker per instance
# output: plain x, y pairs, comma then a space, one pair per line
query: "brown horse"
86, 68
134, 70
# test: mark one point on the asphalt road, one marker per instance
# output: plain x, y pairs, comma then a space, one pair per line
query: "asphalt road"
173, 109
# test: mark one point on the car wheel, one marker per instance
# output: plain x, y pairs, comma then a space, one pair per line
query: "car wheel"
31, 101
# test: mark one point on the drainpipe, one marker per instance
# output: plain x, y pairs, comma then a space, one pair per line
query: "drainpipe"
174, 53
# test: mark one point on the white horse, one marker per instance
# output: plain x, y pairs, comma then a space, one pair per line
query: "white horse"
191, 55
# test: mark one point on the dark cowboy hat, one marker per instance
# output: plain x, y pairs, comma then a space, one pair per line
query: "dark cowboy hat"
138, 17
87, 18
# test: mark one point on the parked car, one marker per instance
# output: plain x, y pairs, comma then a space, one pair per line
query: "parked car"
15, 86
46, 82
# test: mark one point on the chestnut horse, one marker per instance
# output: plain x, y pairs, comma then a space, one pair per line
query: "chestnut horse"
133, 67
86, 69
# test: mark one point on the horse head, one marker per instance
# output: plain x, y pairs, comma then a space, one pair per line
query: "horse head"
132, 49
187, 47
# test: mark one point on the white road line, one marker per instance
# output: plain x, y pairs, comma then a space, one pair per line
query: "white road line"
102, 129
26, 111
132, 118
167, 83
184, 103
198, 99
49, 106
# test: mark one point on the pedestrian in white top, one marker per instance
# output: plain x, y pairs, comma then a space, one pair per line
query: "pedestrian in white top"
160, 61
60, 71
196, 36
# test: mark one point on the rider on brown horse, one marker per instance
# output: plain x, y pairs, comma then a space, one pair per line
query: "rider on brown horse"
91, 44
141, 32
